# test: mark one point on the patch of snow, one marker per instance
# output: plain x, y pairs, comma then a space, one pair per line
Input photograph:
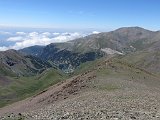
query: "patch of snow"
111, 51
95, 32
132, 47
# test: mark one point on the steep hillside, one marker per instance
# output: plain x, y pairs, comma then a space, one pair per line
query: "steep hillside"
33, 50
110, 89
13, 89
67, 60
148, 58
24, 75
13, 63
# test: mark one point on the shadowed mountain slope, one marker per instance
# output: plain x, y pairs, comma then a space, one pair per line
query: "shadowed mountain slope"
14, 63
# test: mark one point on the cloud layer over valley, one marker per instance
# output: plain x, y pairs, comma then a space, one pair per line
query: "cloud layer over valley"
19, 40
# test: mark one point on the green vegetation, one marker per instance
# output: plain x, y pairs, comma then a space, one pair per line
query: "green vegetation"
24, 87
6, 72
139, 44
150, 61
88, 66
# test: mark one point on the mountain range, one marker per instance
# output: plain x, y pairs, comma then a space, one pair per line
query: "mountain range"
69, 55
122, 66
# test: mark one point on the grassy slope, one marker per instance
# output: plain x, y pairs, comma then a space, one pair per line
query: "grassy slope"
88, 66
24, 87
6, 71
145, 60
118, 70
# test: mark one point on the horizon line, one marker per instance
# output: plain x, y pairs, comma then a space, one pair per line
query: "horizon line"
76, 28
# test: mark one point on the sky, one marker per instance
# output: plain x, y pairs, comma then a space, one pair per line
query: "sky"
80, 14
25, 23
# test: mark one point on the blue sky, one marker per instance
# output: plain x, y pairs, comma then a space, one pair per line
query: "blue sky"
22, 22
81, 14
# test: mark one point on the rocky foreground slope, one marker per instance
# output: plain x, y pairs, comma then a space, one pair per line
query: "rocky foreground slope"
110, 89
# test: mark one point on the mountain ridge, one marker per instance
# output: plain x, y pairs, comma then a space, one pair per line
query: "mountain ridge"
120, 41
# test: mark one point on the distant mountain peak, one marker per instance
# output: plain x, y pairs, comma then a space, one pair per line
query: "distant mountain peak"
136, 28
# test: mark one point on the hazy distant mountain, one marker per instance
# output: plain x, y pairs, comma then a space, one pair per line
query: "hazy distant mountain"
123, 40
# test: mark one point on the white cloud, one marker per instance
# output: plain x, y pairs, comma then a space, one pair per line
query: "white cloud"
47, 33
33, 34
67, 36
35, 38
22, 39
18, 38
95, 32
5, 33
3, 48
55, 33
20, 33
